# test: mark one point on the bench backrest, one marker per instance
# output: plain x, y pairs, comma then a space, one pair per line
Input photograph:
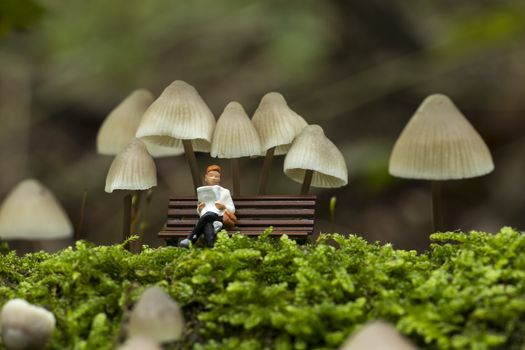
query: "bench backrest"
290, 214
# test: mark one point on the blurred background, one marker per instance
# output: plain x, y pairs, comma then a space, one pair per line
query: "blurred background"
357, 68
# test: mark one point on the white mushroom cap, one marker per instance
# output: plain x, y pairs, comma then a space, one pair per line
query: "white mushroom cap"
32, 212
312, 150
119, 128
178, 114
234, 135
276, 123
139, 344
132, 169
377, 335
439, 143
158, 151
25, 326
156, 316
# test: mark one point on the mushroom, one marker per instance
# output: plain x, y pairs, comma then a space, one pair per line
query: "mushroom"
119, 128
132, 169
139, 343
25, 326
277, 126
31, 212
235, 137
437, 144
156, 316
179, 118
314, 160
377, 335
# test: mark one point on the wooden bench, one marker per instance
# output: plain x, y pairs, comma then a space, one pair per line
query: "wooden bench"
291, 215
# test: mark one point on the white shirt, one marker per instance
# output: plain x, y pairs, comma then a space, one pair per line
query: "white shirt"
209, 195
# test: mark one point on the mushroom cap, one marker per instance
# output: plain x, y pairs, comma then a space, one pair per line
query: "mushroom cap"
30, 211
439, 143
132, 169
139, 343
312, 150
234, 135
120, 126
178, 114
158, 151
276, 123
25, 326
377, 335
156, 316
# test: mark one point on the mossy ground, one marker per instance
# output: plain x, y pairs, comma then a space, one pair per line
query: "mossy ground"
466, 292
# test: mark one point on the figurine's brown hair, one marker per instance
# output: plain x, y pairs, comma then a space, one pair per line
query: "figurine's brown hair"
213, 167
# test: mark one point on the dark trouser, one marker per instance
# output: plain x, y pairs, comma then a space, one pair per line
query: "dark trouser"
205, 225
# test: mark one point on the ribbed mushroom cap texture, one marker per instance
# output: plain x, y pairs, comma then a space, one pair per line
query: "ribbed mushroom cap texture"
439, 143
234, 135
377, 335
139, 344
312, 150
276, 123
120, 126
156, 316
178, 114
25, 326
31, 212
132, 169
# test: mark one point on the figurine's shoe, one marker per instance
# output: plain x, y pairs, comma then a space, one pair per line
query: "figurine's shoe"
185, 243
217, 225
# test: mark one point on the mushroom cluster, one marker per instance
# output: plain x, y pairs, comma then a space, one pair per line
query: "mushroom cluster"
179, 121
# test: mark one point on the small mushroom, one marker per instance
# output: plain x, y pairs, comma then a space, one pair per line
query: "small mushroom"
25, 326
437, 144
277, 126
179, 118
377, 335
133, 169
31, 212
121, 125
235, 137
314, 160
156, 316
138, 343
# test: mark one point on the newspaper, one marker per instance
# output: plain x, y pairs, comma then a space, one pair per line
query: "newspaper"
209, 195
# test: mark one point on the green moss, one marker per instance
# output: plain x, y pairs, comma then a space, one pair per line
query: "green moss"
466, 292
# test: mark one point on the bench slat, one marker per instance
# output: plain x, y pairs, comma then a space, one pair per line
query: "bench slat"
250, 222
252, 228
250, 233
249, 212
277, 197
252, 204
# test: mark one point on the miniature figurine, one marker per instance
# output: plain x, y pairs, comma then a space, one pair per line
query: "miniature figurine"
214, 201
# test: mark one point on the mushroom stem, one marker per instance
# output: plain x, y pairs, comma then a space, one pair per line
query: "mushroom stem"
307, 181
266, 170
236, 177
126, 227
78, 234
134, 246
192, 162
437, 208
